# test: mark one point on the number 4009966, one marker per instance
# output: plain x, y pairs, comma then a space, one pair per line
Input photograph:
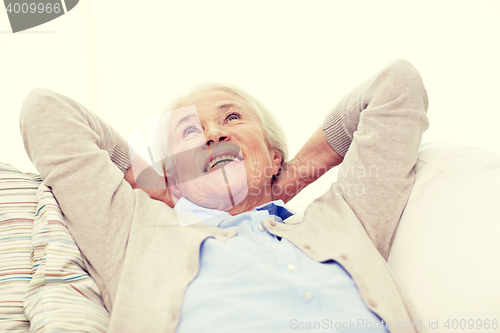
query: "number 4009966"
34, 8
471, 324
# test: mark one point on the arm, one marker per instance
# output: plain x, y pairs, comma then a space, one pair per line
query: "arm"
149, 181
377, 129
313, 160
83, 160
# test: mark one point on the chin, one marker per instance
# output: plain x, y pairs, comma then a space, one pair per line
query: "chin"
212, 191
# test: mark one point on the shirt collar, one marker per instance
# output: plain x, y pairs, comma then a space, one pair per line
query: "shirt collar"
276, 209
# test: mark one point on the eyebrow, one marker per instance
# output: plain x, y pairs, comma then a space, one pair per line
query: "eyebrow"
185, 119
188, 117
228, 106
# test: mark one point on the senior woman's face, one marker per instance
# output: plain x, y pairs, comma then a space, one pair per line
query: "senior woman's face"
221, 157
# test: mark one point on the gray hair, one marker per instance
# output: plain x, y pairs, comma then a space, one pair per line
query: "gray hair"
272, 129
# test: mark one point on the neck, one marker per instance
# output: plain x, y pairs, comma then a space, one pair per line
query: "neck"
251, 202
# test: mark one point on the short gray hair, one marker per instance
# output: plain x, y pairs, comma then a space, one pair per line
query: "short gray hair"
273, 131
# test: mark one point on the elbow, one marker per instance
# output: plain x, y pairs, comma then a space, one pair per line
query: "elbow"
403, 68
406, 79
35, 101
35, 107
32, 115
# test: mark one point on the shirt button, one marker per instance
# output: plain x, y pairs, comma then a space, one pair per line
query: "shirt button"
290, 268
307, 296
307, 245
343, 256
261, 227
372, 303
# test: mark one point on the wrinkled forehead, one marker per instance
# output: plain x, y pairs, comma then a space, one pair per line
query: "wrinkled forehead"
210, 103
181, 115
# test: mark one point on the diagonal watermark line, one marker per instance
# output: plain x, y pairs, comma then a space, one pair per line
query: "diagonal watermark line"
64, 6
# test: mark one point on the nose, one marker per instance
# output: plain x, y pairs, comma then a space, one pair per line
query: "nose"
215, 134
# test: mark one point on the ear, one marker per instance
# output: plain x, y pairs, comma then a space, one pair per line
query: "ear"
276, 161
175, 190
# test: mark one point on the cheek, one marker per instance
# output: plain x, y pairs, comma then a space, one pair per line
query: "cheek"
260, 162
255, 141
259, 170
194, 142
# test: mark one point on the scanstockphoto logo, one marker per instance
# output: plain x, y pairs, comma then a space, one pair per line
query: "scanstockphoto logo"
25, 15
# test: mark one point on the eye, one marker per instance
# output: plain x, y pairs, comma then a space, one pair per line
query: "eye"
189, 130
233, 116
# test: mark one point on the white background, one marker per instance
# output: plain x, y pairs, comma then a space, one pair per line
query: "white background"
127, 60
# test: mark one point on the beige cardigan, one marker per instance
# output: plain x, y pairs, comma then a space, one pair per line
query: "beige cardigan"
142, 260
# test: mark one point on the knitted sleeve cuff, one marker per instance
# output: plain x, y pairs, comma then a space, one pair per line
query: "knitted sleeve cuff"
335, 131
121, 156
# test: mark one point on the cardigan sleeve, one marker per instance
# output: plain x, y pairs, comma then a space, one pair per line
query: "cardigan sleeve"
377, 128
83, 160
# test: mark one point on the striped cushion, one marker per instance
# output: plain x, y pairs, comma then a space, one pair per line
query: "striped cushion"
43, 279
61, 296
17, 211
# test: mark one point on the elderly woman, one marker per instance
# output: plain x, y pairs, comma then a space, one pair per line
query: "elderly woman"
241, 267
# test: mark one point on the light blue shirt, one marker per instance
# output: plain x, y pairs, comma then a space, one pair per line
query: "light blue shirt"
255, 282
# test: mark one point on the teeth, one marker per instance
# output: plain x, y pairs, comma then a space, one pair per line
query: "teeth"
222, 160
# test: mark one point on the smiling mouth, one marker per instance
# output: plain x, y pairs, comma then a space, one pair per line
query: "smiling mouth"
221, 161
